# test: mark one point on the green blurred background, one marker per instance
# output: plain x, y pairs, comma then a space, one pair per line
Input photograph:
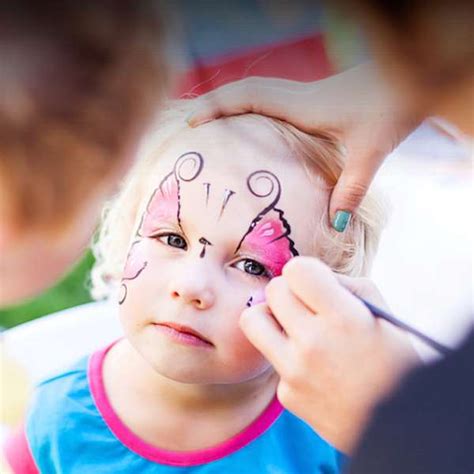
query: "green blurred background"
72, 290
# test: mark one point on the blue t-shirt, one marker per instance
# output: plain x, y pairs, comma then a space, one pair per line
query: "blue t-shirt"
72, 428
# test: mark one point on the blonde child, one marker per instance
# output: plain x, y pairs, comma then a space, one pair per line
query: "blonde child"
206, 218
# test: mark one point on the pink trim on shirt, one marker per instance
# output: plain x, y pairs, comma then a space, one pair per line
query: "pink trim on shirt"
18, 454
162, 456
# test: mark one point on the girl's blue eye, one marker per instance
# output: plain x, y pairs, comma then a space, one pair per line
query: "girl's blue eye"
252, 267
173, 240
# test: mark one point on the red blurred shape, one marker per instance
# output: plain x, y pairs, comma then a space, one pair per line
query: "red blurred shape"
303, 60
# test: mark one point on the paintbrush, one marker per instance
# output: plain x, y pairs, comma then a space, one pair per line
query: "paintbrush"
380, 313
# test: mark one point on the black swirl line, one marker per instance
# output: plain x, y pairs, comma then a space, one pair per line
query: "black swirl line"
191, 156
274, 188
268, 176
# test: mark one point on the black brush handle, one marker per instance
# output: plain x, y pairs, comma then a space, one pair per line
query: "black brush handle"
380, 313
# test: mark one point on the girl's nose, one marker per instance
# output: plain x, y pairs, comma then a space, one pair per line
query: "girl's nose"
193, 290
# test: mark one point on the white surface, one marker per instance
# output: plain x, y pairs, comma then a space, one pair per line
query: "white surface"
46, 345
424, 267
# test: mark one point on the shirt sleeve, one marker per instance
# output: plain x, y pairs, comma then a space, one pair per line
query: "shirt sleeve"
18, 454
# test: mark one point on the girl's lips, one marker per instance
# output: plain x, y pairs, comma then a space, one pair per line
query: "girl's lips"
183, 334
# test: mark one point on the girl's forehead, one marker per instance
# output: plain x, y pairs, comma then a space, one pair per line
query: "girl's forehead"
231, 150
221, 189
240, 138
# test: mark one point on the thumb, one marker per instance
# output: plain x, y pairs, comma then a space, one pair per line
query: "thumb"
352, 186
367, 145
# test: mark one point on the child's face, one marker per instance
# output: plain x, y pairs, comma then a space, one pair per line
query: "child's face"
227, 208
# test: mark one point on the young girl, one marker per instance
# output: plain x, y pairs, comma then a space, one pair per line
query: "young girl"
207, 217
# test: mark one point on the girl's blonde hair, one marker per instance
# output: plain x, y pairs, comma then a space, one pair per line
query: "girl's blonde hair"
350, 253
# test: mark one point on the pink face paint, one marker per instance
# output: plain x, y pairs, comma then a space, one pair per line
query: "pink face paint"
269, 242
162, 207
136, 262
134, 265
164, 204
268, 235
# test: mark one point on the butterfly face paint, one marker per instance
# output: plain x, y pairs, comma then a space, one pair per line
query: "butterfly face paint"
209, 293
268, 235
163, 206
134, 266
165, 202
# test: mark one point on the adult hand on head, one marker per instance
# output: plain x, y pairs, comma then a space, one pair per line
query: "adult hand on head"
335, 360
355, 107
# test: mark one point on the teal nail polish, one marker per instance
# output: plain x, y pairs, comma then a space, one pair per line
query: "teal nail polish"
341, 220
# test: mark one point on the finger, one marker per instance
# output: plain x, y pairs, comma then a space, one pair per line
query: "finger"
290, 312
265, 96
352, 186
264, 333
367, 147
316, 286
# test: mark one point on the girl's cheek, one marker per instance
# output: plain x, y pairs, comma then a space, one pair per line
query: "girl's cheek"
249, 360
236, 341
140, 282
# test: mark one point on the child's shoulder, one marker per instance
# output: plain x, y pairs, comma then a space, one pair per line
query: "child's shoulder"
61, 405
306, 448
62, 414
55, 397
73, 373
64, 390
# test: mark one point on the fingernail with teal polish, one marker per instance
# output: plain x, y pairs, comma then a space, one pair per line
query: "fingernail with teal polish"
341, 220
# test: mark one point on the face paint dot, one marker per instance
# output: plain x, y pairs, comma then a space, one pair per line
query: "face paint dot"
205, 243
